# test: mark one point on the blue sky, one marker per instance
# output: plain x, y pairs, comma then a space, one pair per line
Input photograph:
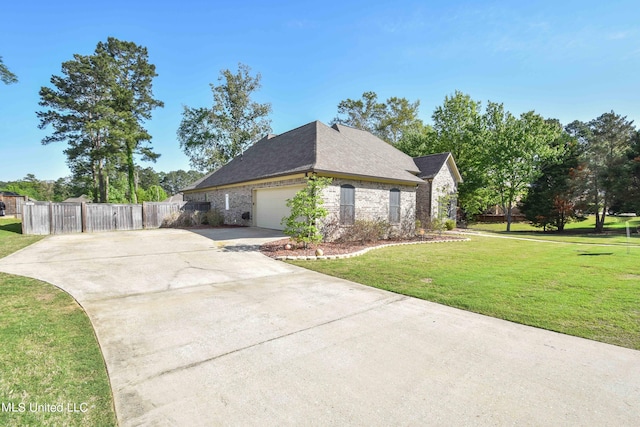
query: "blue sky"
564, 59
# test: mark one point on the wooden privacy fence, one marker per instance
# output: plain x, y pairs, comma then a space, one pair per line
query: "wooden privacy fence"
499, 218
58, 218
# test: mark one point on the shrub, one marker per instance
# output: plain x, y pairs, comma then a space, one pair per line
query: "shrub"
364, 231
450, 224
330, 229
214, 218
307, 212
184, 219
435, 225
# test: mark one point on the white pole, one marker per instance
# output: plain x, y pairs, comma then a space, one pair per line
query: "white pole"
628, 238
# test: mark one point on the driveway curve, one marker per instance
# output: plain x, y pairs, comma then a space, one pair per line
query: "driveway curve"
197, 328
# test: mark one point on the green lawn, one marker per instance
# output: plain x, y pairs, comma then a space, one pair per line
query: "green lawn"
576, 232
49, 354
583, 290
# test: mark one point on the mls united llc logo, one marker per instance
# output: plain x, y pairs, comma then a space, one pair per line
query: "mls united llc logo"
69, 407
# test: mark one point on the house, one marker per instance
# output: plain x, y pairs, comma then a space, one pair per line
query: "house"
176, 198
371, 179
13, 202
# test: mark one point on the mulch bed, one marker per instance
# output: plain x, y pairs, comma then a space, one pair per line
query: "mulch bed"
277, 248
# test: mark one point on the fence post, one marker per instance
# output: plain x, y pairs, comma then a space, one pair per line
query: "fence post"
24, 218
144, 219
83, 216
51, 231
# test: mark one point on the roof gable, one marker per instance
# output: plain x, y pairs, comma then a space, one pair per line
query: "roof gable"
288, 153
431, 165
376, 151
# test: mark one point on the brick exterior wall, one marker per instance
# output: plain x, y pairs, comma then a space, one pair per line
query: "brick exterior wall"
371, 202
240, 199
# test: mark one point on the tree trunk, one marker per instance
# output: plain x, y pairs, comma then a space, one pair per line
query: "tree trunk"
102, 184
95, 191
133, 197
600, 220
106, 188
509, 218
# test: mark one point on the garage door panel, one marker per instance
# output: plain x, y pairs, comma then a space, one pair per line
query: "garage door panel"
271, 205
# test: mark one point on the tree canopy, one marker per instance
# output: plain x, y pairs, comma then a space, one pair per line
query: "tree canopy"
516, 148
98, 106
458, 129
606, 143
151, 186
211, 137
551, 200
6, 76
389, 120
498, 154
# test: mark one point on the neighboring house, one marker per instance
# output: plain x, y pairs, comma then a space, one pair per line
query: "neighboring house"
176, 198
371, 179
13, 202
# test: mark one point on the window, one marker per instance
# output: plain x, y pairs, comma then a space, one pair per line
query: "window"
453, 207
394, 206
447, 207
347, 204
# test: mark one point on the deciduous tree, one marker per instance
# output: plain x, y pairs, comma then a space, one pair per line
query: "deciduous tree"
457, 128
365, 113
516, 148
211, 137
306, 210
174, 181
551, 200
389, 120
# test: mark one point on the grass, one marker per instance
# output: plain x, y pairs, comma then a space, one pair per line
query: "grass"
583, 290
11, 237
575, 232
49, 353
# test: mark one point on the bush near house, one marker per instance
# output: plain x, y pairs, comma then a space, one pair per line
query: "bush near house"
303, 224
212, 217
366, 231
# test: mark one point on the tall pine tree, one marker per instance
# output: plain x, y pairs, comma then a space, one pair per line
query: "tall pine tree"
98, 106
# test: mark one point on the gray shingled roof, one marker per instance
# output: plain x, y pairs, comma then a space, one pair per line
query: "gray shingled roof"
430, 165
316, 147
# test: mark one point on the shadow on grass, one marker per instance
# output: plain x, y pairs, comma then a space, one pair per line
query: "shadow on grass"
14, 227
579, 232
595, 254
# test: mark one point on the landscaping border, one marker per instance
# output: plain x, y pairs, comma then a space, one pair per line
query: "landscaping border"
360, 252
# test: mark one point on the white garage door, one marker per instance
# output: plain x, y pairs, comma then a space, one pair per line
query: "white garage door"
271, 205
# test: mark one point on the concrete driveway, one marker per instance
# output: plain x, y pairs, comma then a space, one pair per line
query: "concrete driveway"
198, 329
